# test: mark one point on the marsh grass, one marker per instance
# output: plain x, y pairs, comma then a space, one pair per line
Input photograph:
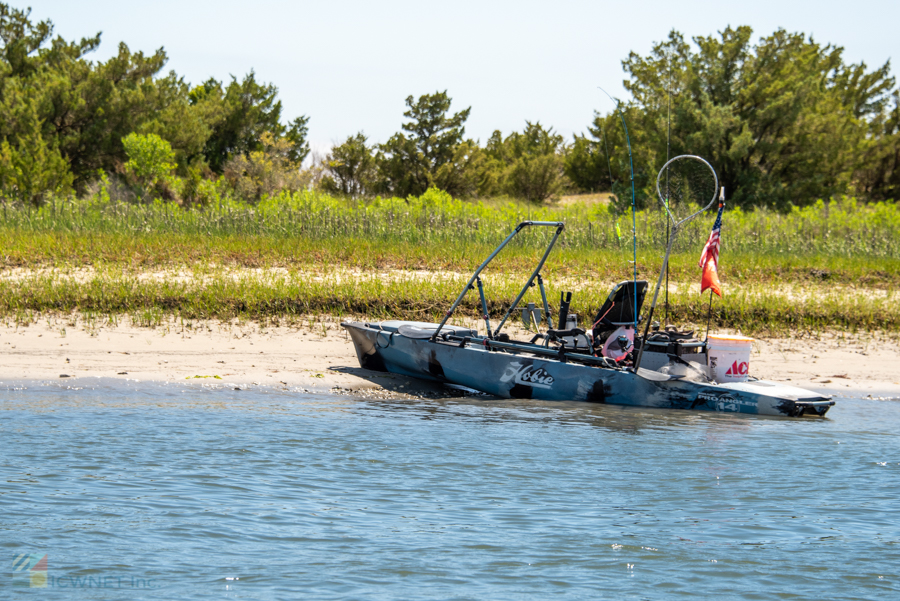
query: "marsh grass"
292, 298
845, 243
841, 228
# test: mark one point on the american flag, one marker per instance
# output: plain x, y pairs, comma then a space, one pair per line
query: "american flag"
709, 258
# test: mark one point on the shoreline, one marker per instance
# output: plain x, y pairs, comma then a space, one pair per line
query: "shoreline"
319, 357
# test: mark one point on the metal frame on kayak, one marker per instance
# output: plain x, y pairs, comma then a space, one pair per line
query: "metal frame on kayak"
536, 274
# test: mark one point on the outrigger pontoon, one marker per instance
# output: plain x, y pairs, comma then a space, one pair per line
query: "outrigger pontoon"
606, 362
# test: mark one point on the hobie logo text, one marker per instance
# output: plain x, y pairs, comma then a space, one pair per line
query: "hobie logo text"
529, 375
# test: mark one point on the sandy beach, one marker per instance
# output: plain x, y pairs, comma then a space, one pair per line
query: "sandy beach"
318, 356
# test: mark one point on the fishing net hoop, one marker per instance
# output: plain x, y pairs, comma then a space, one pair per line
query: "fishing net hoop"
661, 181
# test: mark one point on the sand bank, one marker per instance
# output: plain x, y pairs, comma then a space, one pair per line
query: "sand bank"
319, 356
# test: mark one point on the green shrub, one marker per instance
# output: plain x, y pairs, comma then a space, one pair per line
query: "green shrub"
151, 162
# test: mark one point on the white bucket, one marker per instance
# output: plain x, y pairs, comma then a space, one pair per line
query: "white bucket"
728, 358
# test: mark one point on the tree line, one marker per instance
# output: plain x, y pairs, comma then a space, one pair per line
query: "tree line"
64, 118
784, 120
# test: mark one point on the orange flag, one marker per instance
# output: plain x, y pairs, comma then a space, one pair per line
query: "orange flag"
709, 258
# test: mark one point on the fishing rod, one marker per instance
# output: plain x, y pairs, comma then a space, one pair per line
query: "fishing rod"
633, 217
668, 146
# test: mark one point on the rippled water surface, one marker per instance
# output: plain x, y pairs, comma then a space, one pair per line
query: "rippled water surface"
157, 491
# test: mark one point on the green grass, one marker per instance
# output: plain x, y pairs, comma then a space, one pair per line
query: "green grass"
828, 252
842, 228
223, 295
24, 249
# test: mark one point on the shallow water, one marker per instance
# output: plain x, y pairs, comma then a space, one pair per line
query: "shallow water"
162, 491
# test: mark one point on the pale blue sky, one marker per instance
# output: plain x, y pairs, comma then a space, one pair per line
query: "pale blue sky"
350, 65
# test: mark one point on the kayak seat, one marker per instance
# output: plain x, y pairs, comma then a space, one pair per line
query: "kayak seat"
619, 307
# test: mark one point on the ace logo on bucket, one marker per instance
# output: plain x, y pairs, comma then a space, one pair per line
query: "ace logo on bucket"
738, 368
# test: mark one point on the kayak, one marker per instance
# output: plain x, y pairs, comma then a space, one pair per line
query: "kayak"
605, 362
515, 370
